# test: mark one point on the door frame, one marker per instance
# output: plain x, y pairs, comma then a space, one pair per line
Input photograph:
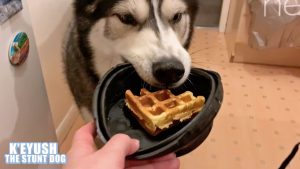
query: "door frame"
224, 15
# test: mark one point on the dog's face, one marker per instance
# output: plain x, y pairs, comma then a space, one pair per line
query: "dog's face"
150, 34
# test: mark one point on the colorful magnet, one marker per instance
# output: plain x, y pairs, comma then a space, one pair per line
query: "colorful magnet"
19, 49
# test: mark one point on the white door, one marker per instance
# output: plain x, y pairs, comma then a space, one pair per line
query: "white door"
24, 110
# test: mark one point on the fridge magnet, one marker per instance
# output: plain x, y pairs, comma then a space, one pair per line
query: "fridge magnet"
8, 8
19, 49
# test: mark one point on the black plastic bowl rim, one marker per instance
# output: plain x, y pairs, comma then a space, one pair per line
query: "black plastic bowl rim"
174, 139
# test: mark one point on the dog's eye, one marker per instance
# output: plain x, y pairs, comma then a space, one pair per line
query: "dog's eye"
177, 18
127, 19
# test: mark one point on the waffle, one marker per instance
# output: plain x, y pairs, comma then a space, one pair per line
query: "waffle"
159, 110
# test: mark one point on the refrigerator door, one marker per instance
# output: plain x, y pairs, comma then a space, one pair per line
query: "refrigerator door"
24, 109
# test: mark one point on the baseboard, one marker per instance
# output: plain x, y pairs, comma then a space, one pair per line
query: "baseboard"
66, 124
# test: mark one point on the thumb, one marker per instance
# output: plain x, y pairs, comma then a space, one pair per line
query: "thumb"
121, 145
83, 141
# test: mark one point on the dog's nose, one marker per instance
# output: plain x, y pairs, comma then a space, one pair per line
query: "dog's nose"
168, 71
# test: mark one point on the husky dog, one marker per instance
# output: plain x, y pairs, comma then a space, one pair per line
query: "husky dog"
152, 35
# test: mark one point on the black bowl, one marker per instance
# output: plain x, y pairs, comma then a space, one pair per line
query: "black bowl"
112, 116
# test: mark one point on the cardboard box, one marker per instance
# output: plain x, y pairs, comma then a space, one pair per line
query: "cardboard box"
280, 48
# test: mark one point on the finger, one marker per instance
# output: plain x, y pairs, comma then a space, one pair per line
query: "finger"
133, 163
121, 144
83, 141
166, 157
169, 164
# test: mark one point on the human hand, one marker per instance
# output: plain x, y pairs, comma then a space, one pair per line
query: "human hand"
84, 154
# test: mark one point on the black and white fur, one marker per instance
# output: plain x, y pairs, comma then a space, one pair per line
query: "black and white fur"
152, 35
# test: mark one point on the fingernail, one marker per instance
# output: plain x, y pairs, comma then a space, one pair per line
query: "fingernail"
136, 142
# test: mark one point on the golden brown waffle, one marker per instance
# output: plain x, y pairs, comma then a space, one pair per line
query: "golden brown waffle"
157, 111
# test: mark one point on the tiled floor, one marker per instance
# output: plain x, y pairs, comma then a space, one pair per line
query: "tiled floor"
259, 121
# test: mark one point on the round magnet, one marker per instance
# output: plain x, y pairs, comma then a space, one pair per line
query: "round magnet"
19, 49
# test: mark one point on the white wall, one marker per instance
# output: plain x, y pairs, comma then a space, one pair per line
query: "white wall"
224, 15
24, 109
50, 20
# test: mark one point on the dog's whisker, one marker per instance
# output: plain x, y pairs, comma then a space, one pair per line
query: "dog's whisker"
185, 86
206, 63
175, 91
201, 66
130, 74
141, 84
192, 84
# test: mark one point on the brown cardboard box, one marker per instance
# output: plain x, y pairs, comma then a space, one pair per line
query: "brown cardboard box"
291, 35
279, 48
270, 21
